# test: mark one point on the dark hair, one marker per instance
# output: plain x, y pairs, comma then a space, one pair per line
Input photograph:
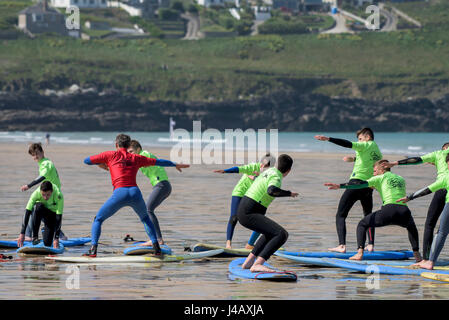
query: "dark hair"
285, 163
377, 163
123, 140
366, 131
445, 145
35, 147
46, 186
135, 145
447, 158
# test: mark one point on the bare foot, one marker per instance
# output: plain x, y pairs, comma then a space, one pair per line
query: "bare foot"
261, 268
249, 261
417, 256
341, 248
228, 244
369, 248
248, 246
161, 242
424, 264
146, 244
357, 256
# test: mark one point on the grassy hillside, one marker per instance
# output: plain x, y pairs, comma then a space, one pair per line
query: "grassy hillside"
372, 65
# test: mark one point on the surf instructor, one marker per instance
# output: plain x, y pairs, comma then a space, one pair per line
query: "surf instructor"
123, 167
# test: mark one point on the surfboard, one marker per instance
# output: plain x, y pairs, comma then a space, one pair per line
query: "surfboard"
138, 259
136, 250
235, 268
382, 269
376, 255
40, 249
72, 242
200, 247
436, 276
304, 260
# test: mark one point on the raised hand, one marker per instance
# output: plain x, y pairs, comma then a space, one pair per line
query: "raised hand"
180, 166
332, 186
321, 138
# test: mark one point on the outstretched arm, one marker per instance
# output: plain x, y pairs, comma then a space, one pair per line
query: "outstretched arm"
341, 142
420, 193
229, 170
32, 183
358, 185
278, 192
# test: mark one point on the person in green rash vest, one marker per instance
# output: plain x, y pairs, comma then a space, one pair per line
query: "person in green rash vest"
391, 187
367, 153
253, 207
47, 172
161, 187
437, 158
47, 202
441, 183
250, 172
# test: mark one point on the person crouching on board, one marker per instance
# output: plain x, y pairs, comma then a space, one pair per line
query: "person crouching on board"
391, 188
253, 207
442, 182
48, 205
249, 171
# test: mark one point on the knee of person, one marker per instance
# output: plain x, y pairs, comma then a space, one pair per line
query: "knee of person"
284, 235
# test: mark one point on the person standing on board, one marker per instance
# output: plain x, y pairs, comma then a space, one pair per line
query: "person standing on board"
442, 182
161, 187
47, 172
249, 171
123, 167
437, 158
253, 207
367, 153
391, 187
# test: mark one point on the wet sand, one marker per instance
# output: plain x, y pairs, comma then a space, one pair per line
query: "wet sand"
198, 211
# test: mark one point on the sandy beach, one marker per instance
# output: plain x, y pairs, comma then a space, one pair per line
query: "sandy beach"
197, 211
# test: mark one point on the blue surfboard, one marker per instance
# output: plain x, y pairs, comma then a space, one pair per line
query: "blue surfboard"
40, 249
72, 242
376, 255
235, 268
379, 268
136, 250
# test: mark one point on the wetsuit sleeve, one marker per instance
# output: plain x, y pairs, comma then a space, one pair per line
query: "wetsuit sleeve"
278, 192
419, 193
97, 159
358, 185
26, 218
341, 142
232, 170
409, 161
36, 181
58, 225
164, 163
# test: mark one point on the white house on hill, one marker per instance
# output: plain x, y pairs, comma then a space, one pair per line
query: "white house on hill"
80, 3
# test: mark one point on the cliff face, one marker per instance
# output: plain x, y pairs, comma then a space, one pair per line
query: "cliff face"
88, 110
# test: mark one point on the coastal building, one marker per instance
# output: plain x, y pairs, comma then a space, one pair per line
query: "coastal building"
82, 4
300, 5
209, 3
42, 18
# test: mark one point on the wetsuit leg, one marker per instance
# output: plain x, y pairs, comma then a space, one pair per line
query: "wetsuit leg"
29, 229
347, 201
252, 216
138, 204
160, 192
440, 237
434, 212
235, 201
253, 238
366, 200
390, 214
118, 200
49, 218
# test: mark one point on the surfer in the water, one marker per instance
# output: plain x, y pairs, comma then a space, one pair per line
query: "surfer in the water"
441, 183
161, 187
367, 153
48, 205
437, 158
250, 172
47, 172
391, 188
253, 207
123, 167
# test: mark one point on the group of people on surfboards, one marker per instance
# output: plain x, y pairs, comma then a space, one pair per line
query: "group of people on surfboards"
260, 184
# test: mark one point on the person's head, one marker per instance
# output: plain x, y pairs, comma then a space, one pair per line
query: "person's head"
46, 189
134, 147
378, 169
284, 164
365, 134
36, 151
122, 141
445, 146
267, 161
